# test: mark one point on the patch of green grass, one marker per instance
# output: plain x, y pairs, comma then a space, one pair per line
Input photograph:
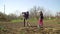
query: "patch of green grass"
16, 20
58, 22
33, 20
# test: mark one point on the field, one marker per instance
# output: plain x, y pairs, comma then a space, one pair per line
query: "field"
51, 26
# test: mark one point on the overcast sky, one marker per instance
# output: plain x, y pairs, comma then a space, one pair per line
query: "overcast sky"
11, 6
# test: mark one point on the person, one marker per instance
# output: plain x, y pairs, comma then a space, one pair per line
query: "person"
41, 20
26, 17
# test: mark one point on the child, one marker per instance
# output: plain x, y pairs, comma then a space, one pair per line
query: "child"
41, 20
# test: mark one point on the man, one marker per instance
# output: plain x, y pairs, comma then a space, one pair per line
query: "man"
26, 17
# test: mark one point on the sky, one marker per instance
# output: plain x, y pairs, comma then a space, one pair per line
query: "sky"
18, 6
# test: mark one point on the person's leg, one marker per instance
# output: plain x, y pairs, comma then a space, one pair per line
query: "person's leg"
28, 24
40, 24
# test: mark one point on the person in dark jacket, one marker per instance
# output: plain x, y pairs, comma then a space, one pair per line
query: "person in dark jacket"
26, 17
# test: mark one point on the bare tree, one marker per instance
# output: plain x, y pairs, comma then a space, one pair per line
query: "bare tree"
57, 14
34, 12
3, 17
12, 16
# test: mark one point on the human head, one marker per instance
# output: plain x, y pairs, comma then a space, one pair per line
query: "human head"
40, 11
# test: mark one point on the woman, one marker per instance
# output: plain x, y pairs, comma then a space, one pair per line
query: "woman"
41, 20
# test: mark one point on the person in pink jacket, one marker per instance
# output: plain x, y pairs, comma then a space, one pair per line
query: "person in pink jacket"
41, 20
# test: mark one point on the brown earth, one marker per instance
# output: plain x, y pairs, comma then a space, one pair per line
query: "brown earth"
18, 28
